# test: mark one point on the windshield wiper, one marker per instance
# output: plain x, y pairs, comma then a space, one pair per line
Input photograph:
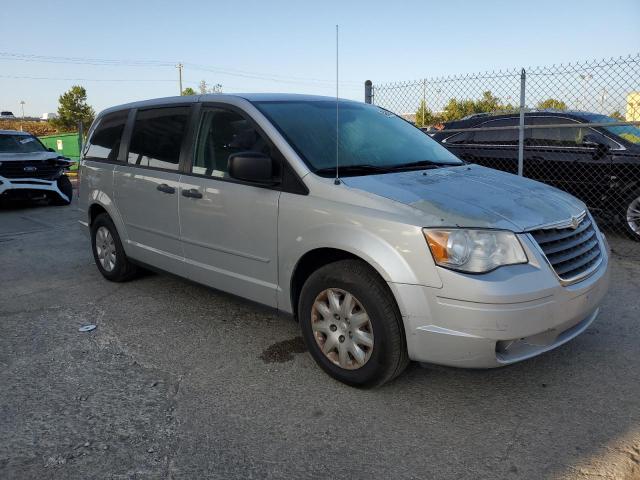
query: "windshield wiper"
355, 169
424, 165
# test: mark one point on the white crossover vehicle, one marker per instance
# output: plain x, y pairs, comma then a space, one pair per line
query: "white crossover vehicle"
404, 253
28, 169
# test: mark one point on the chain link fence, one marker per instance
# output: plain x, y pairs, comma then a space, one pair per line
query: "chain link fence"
574, 126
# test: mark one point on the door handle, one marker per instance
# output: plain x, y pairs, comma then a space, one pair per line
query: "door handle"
164, 188
191, 193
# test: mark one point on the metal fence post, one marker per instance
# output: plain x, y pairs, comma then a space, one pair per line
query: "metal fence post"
523, 81
368, 91
424, 100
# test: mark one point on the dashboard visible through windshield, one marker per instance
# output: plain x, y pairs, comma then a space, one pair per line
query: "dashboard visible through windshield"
371, 139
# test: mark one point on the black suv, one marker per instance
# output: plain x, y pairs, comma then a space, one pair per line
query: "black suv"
598, 164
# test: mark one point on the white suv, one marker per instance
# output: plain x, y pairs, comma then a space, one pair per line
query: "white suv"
28, 169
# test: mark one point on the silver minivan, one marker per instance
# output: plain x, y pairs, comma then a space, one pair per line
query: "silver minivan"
402, 253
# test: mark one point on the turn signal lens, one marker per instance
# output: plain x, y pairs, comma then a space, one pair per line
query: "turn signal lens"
437, 240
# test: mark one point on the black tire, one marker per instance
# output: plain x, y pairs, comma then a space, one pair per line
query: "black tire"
123, 269
388, 357
631, 205
64, 185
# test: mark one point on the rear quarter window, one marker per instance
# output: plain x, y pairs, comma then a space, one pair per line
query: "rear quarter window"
104, 143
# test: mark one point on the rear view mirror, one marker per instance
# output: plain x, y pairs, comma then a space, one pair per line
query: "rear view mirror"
253, 167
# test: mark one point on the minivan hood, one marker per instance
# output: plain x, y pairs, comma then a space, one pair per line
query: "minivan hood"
473, 196
21, 157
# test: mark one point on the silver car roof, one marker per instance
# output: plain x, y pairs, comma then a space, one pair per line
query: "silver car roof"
223, 98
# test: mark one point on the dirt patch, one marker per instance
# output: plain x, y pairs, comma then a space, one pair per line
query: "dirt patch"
283, 351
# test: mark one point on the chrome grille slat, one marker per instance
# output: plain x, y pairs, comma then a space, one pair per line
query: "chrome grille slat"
556, 234
580, 239
572, 253
581, 262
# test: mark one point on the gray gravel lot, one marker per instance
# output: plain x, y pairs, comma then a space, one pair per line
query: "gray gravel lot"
179, 381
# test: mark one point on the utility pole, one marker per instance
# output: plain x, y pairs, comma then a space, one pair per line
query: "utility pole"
179, 67
22, 102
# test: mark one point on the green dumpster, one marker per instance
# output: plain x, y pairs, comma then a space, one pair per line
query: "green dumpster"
65, 144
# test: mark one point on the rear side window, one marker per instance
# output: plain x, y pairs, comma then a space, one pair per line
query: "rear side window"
498, 137
489, 137
105, 141
559, 136
157, 137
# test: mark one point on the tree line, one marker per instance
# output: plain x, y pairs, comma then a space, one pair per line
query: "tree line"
456, 109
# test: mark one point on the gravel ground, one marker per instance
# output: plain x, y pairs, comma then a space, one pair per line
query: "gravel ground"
179, 381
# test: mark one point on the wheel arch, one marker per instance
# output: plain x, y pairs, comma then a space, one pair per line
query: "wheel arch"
96, 209
314, 259
102, 204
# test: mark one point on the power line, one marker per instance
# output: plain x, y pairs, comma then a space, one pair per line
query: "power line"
23, 57
29, 77
157, 63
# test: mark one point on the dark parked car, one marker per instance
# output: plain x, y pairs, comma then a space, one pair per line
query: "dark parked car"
30, 170
598, 164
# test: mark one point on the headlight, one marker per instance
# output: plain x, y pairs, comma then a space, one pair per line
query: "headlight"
474, 251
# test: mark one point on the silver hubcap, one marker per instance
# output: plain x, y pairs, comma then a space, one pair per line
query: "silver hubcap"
105, 248
633, 216
342, 328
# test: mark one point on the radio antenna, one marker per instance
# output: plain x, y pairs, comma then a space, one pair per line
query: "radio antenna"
337, 180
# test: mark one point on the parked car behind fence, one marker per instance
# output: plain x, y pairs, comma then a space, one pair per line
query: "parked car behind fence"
597, 162
591, 156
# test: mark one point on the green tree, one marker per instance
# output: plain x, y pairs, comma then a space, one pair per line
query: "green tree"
73, 108
618, 116
552, 104
456, 109
189, 91
424, 116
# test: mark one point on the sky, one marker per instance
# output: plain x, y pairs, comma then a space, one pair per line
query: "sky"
288, 46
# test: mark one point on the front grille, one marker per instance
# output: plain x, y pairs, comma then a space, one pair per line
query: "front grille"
572, 252
29, 169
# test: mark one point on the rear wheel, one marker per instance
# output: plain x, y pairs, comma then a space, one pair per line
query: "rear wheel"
351, 324
108, 252
64, 185
631, 215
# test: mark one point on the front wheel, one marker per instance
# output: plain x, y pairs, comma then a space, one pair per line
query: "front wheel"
631, 215
351, 324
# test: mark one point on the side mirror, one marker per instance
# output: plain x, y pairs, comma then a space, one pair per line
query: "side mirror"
591, 140
50, 150
253, 167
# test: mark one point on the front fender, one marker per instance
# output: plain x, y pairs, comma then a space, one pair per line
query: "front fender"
397, 251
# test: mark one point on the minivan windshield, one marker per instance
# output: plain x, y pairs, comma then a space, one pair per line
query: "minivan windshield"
630, 133
371, 139
20, 144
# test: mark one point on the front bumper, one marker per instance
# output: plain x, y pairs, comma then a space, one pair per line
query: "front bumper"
508, 315
30, 185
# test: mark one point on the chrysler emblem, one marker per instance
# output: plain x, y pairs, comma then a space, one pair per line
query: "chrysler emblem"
30, 169
575, 221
